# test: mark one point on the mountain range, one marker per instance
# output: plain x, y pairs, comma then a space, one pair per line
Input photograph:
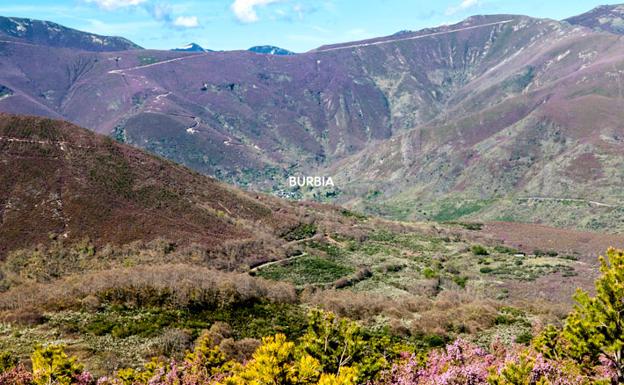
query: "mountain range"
499, 117
260, 49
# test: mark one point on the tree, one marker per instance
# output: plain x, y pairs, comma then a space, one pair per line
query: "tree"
131, 376
340, 342
274, 363
334, 342
208, 356
347, 376
51, 366
595, 328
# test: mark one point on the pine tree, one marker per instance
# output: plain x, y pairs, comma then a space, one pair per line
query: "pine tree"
51, 365
595, 328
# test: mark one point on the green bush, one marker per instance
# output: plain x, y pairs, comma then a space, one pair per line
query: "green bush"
524, 338
303, 231
479, 250
460, 281
429, 273
506, 250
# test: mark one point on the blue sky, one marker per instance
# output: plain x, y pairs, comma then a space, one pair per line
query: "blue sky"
298, 25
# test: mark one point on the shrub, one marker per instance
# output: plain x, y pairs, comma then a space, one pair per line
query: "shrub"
524, 338
459, 363
174, 342
8, 361
429, 273
460, 281
505, 250
479, 250
303, 231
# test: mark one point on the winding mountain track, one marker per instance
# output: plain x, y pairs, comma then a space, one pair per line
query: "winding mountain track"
18, 43
285, 260
124, 70
61, 144
575, 200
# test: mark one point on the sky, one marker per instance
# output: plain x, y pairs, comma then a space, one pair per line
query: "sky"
297, 25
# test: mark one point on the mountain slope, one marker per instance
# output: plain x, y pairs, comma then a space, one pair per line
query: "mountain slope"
61, 181
54, 35
608, 18
535, 138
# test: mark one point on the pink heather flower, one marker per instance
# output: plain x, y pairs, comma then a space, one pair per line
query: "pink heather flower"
84, 378
16, 376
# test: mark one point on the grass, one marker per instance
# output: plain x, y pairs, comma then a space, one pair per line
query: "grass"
452, 210
528, 269
474, 226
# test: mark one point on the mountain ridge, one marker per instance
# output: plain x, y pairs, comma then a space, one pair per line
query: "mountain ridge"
608, 18
47, 33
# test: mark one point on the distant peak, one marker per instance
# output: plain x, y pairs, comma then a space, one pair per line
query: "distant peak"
191, 47
270, 50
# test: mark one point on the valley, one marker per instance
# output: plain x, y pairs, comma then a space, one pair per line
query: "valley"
348, 111
441, 206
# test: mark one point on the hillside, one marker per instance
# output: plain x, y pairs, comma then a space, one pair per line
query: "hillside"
59, 181
45, 33
608, 18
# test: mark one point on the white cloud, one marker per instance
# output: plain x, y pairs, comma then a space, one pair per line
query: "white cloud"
245, 10
115, 4
186, 22
160, 11
464, 5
